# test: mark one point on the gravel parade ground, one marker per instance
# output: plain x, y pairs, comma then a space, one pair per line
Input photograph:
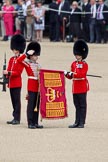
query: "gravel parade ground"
56, 142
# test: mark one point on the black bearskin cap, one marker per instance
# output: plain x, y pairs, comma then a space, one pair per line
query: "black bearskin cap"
35, 46
18, 42
80, 48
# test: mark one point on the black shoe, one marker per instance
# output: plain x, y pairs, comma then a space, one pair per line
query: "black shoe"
56, 40
13, 122
5, 38
98, 42
81, 126
73, 126
91, 42
27, 40
30, 126
104, 41
38, 126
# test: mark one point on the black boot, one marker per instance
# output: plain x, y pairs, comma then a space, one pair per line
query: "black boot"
31, 126
75, 125
81, 126
5, 38
13, 122
38, 126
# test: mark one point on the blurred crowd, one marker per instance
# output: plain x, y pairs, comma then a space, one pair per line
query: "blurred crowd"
86, 19
26, 17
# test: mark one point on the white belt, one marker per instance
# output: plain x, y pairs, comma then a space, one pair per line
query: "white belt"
78, 78
32, 77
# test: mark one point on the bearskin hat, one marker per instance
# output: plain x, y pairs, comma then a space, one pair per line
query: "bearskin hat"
80, 48
18, 42
34, 46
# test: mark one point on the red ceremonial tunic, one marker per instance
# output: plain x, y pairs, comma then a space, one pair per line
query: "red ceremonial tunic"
32, 69
80, 83
16, 68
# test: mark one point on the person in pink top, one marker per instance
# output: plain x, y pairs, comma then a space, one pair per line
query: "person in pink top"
8, 18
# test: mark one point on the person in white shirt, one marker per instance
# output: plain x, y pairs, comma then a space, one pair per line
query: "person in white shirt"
92, 21
24, 6
101, 22
85, 20
63, 17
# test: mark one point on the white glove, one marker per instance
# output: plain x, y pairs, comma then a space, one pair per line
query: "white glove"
30, 52
65, 72
70, 73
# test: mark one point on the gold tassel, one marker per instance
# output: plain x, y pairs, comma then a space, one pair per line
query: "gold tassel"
40, 117
35, 109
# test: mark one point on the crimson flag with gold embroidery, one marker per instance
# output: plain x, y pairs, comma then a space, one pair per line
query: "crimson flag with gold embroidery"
53, 102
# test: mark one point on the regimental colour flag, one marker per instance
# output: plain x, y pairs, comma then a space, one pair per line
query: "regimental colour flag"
53, 104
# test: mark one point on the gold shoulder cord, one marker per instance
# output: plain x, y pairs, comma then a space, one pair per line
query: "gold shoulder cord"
36, 109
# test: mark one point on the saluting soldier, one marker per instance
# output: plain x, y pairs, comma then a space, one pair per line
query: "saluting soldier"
33, 97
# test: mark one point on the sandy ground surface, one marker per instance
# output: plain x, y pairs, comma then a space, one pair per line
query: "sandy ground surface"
56, 142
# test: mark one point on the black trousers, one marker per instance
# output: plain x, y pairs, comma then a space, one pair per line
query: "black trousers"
101, 31
86, 32
52, 31
75, 29
23, 26
81, 107
15, 94
33, 101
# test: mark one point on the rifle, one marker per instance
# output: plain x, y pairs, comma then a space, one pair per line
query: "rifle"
71, 73
4, 78
98, 76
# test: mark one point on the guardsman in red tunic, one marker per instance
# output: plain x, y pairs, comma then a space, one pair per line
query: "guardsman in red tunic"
32, 68
80, 84
14, 71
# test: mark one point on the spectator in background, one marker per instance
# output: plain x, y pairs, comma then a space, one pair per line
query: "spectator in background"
53, 20
62, 18
39, 24
75, 21
101, 22
3, 33
30, 20
92, 21
85, 20
25, 5
8, 18
19, 20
